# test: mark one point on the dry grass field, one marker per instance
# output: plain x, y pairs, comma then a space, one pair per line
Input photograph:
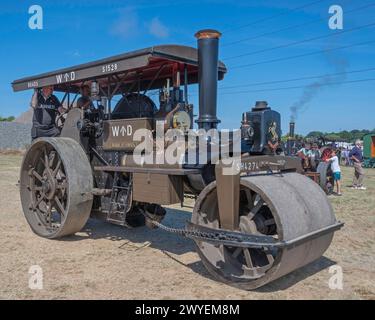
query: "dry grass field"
109, 262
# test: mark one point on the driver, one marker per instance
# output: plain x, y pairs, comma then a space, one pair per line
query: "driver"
46, 106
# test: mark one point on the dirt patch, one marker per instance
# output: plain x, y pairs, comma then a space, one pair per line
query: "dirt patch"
104, 261
12, 152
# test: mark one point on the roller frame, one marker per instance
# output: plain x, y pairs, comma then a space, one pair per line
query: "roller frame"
244, 240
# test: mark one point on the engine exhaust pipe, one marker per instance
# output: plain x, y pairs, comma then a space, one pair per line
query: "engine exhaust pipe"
208, 60
291, 129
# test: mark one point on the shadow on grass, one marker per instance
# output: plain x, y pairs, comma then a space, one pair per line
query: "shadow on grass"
159, 239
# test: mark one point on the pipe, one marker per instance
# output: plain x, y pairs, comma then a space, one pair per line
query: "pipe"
291, 129
208, 55
186, 85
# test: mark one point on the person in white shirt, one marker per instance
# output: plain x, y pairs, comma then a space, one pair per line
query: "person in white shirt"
335, 167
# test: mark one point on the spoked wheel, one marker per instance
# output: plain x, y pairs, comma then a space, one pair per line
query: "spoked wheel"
269, 205
56, 187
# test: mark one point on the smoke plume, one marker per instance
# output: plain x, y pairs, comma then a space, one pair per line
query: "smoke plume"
339, 65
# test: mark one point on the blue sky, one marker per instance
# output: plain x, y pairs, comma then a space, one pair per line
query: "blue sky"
80, 31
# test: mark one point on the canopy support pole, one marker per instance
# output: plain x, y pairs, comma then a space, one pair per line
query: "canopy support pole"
186, 84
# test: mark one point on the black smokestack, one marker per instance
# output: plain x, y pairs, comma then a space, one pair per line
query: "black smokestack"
208, 59
291, 128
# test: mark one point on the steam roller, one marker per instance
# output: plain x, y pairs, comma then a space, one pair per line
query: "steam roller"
256, 217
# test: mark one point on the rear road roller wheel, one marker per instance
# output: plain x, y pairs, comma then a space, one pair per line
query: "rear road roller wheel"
283, 206
56, 187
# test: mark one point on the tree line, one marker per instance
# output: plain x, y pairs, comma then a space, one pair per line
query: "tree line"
8, 119
341, 136
345, 136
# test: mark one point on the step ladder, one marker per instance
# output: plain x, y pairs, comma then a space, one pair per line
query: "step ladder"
114, 215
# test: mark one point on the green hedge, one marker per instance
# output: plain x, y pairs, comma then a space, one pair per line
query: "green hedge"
9, 119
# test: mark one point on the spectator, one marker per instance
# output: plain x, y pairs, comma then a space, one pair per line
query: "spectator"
304, 154
357, 157
349, 159
335, 167
345, 157
315, 156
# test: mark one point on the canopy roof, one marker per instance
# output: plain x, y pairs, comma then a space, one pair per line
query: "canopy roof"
144, 69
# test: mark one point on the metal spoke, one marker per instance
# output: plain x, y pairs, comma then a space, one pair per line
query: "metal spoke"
256, 198
256, 208
44, 158
250, 202
37, 175
269, 222
60, 206
57, 168
52, 158
270, 258
41, 160
46, 162
247, 255
236, 252
42, 195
